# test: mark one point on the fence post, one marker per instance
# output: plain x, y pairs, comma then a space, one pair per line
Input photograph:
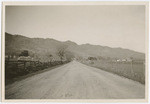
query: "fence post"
17, 66
34, 63
6, 64
24, 65
30, 62
144, 68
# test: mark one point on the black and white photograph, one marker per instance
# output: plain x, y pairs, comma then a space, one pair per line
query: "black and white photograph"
75, 51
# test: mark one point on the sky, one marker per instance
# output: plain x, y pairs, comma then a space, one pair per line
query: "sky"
106, 25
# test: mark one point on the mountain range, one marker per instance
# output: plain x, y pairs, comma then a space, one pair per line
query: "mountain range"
42, 48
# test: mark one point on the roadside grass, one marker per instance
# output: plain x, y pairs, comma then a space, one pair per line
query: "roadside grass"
134, 71
12, 75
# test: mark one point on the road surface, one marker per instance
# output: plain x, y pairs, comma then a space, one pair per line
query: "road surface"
75, 81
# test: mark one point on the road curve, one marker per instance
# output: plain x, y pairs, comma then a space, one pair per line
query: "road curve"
75, 81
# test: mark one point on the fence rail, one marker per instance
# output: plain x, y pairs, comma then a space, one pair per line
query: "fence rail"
14, 69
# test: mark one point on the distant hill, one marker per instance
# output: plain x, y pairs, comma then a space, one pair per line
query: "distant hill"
42, 48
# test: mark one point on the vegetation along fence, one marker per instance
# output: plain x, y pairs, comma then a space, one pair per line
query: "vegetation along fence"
14, 69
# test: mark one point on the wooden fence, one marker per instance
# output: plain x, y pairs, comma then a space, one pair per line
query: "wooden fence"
14, 69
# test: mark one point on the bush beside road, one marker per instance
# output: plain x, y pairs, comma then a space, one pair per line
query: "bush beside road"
16, 69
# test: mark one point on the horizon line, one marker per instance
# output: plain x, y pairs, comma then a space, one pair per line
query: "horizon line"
76, 43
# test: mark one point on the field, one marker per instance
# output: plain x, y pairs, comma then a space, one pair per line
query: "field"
132, 70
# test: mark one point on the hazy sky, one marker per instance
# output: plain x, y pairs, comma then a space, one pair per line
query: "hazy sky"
113, 26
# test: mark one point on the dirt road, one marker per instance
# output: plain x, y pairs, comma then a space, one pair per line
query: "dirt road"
75, 81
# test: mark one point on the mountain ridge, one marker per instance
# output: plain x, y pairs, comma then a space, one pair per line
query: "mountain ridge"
42, 47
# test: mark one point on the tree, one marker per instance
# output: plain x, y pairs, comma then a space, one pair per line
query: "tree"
92, 58
69, 56
50, 58
61, 52
24, 53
